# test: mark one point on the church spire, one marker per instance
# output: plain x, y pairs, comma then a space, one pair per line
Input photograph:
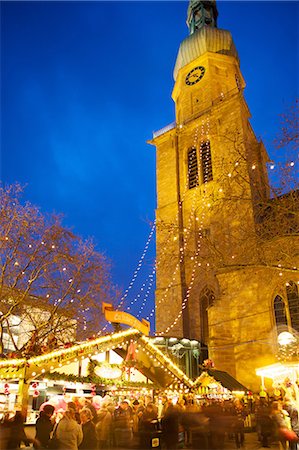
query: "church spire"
201, 13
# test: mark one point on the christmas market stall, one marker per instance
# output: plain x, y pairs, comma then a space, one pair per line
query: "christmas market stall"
123, 365
284, 380
218, 384
281, 379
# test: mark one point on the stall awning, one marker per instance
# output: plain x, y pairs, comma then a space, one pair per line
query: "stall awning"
226, 380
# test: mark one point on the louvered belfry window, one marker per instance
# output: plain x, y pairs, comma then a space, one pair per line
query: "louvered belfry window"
206, 162
192, 168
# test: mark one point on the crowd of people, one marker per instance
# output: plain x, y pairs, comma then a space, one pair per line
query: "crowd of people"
142, 423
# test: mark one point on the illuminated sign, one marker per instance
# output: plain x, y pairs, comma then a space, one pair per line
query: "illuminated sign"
122, 317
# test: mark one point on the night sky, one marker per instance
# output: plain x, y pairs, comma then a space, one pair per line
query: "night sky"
84, 85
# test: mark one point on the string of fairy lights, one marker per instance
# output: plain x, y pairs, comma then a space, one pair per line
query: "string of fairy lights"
205, 204
37, 366
150, 278
187, 233
147, 286
139, 265
205, 131
80, 351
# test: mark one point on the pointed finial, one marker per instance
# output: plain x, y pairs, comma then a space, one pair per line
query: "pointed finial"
201, 13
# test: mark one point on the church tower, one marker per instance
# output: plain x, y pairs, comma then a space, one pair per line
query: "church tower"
213, 284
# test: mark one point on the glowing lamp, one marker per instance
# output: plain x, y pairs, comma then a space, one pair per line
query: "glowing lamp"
108, 372
286, 338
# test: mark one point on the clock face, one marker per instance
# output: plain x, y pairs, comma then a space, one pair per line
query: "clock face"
195, 75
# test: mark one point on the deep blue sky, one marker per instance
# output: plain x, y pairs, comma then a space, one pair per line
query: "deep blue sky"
84, 85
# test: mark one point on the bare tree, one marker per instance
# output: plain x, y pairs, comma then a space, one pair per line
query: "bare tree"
52, 283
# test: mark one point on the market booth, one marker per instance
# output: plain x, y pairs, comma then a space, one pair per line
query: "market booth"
121, 364
126, 364
214, 383
284, 379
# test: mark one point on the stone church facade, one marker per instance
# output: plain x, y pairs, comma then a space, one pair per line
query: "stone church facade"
227, 255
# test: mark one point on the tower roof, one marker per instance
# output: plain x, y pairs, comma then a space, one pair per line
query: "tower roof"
204, 39
201, 13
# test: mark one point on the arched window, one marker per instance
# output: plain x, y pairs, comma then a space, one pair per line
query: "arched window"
206, 162
293, 304
286, 311
206, 300
192, 168
279, 311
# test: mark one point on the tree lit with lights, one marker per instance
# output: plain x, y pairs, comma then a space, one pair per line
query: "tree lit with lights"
52, 282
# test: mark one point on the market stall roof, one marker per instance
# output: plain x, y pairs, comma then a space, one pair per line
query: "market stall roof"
225, 379
158, 366
279, 371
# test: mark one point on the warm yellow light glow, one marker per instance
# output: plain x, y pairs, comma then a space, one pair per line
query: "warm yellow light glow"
108, 372
286, 338
278, 370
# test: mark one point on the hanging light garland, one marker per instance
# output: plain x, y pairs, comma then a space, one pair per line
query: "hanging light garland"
205, 130
139, 265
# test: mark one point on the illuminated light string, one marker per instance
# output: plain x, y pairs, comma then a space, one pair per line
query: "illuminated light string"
75, 354
187, 231
175, 372
149, 283
184, 303
163, 358
68, 351
138, 268
188, 228
142, 288
196, 264
272, 166
139, 295
146, 295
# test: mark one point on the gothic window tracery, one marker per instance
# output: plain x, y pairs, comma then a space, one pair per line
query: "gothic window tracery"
279, 311
206, 301
286, 312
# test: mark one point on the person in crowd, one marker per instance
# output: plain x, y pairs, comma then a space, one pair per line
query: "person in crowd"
216, 427
89, 441
191, 415
292, 409
69, 432
16, 434
85, 403
170, 427
44, 426
264, 423
123, 425
163, 405
239, 413
104, 426
73, 407
137, 410
147, 425
4, 431
282, 423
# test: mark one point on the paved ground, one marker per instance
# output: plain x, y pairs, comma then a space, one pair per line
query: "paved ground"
251, 443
